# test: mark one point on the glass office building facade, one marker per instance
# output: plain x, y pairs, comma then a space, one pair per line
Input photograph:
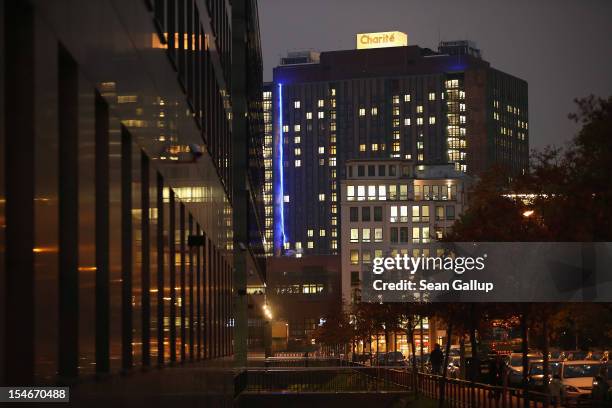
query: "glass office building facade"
118, 185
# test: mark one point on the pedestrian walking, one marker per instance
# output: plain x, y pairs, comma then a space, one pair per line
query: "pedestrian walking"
600, 391
436, 358
554, 388
496, 373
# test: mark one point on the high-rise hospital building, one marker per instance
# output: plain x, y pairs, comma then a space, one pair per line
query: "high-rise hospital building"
384, 99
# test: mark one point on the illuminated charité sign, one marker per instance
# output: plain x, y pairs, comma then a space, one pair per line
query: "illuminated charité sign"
381, 40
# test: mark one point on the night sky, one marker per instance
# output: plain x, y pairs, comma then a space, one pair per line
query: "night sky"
562, 48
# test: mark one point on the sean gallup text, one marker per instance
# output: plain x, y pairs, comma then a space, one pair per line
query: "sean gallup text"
471, 285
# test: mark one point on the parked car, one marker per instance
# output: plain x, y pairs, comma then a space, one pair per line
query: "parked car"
396, 358
576, 355
515, 367
598, 356
577, 378
454, 366
557, 355
379, 358
392, 358
362, 358
426, 363
536, 373
425, 359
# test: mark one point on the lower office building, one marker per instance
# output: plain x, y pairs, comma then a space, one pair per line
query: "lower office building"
392, 207
300, 293
118, 186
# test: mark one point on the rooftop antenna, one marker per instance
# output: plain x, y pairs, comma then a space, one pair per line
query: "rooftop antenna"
439, 19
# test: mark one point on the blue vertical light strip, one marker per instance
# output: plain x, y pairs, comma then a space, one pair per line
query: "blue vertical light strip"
281, 167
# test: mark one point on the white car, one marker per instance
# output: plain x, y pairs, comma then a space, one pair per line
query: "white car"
577, 378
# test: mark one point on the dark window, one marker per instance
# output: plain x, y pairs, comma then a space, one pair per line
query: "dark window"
160, 18
172, 272
360, 171
377, 213
198, 84
181, 38
404, 234
68, 99
189, 30
371, 170
350, 171
171, 28
365, 213
381, 170
392, 170
126, 243
198, 273
450, 212
354, 277
160, 270
354, 214
145, 322
394, 234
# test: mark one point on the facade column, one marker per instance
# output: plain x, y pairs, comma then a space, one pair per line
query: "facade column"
240, 199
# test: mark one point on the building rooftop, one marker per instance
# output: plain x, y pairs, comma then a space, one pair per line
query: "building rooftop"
301, 57
462, 47
309, 66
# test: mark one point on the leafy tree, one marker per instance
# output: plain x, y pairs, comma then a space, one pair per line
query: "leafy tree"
492, 216
573, 193
570, 199
365, 325
336, 331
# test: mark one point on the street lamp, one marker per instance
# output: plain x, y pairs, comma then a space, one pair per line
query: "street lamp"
267, 311
268, 329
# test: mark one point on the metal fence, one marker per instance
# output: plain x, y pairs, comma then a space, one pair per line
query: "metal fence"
297, 361
312, 375
466, 394
327, 379
461, 393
